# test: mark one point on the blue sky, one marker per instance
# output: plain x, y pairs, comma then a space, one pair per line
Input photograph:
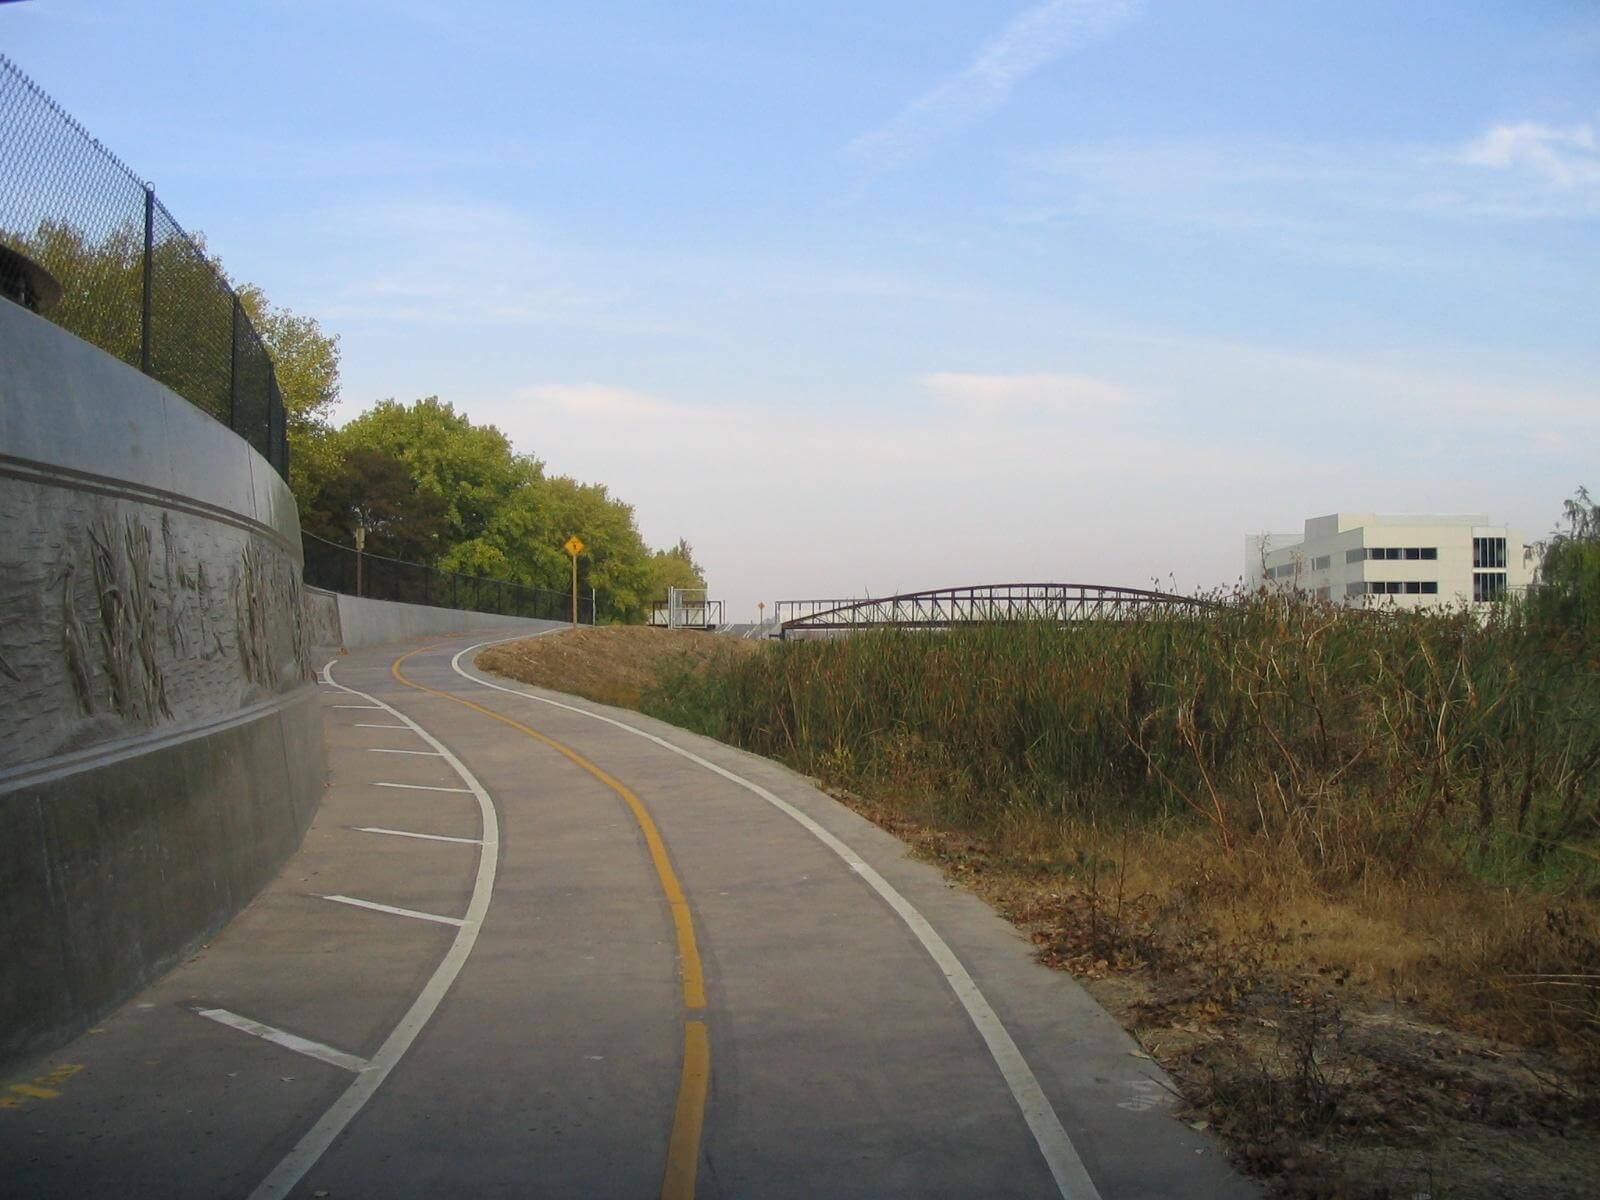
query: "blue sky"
897, 295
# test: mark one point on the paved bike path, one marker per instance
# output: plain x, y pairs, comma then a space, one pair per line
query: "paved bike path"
842, 1061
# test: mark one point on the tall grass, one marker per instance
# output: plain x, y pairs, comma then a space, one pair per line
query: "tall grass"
1351, 739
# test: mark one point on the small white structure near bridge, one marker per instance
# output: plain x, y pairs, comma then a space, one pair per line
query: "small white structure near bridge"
687, 608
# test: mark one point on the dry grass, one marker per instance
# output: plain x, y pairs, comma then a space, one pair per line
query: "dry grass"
610, 664
1342, 1042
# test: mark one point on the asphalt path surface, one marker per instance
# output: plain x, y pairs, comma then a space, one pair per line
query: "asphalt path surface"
534, 946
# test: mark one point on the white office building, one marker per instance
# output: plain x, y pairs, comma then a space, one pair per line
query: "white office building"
1404, 561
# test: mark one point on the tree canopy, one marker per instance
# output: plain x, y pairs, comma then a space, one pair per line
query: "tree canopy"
430, 486
439, 489
1568, 593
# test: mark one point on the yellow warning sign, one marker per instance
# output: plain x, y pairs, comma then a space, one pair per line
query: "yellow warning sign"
573, 545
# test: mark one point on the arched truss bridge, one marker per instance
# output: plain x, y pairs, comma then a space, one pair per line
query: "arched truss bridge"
945, 608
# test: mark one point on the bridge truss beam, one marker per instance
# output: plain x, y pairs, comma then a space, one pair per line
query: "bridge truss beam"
946, 608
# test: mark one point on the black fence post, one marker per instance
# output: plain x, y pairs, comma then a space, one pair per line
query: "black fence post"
233, 377
283, 431
146, 301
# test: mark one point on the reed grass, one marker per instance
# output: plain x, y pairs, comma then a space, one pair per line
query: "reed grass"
1378, 761
1352, 739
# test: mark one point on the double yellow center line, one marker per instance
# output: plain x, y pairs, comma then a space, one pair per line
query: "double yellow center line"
688, 1122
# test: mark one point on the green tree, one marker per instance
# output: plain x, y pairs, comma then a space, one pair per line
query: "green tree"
674, 567
306, 363
102, 281
1568, 594
375, 491
471, 468
615, 562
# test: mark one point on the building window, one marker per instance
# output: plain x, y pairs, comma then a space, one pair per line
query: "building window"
1392, 587
1321, 562
1489, 553
1488, 585
1397, 553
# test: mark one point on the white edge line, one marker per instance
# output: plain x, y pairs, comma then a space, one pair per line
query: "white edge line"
415, 913
282, 1037
1060, 1155
311, 1146
358, 705
432, 837
420, 787
359, 725
381, 750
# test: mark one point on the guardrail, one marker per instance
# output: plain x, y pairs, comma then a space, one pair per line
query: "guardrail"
85, 243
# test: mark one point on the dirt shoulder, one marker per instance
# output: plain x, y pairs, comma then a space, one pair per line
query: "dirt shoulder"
1324, 1082
1304, 1028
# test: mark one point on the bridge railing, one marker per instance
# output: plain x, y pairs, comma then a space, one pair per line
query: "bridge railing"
784, 611
945, 608
690, 614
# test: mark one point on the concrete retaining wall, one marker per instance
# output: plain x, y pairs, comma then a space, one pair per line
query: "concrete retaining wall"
161, 750
364, 622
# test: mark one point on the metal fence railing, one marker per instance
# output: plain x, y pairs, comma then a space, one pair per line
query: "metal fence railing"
342, 569
86, 243
687, 614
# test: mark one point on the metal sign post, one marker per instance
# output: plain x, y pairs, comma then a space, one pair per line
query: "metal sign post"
574, 547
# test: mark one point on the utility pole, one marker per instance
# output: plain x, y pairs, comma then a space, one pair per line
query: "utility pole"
361, 545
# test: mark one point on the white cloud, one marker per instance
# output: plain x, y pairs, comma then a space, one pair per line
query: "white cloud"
1033, 39
1563, 158
1326, 202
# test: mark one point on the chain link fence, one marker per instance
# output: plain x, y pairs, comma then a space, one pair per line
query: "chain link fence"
85, 243
341, 569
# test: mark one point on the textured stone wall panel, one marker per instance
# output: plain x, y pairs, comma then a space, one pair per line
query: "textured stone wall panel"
121, 616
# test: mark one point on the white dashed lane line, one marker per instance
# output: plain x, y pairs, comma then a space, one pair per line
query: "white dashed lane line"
413, 913
282, 1037
430, 837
